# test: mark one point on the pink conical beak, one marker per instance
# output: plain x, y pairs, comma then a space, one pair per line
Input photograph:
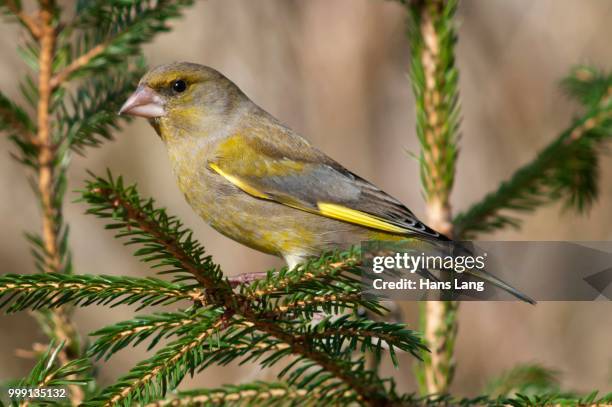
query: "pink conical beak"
144, 102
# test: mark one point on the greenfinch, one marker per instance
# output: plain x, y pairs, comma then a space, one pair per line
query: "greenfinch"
258, 182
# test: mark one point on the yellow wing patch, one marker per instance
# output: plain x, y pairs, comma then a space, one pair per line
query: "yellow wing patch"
240, 184
360, 218
329, 210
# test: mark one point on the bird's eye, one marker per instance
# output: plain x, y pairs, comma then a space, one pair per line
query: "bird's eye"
179, 86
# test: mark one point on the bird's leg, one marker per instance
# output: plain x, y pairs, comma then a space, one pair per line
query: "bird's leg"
292, 262
246, 278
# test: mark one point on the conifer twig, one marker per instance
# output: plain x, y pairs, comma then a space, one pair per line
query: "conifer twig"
44, 142
154, 369
566, 169
287, 279
45, 153
257, 393
331, 300
115, 337
76, 64
15, 121
435, 85
50, 371
27, 20
47, 38
111, 31
47, 291
127, 208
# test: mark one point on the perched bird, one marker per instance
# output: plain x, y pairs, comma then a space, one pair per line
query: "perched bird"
257, 181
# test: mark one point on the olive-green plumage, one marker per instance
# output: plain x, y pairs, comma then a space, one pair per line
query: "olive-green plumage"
254, 179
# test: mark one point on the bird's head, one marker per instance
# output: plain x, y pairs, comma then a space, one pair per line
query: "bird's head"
183, 96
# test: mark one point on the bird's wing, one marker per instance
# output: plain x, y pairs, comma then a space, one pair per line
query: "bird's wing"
293, 173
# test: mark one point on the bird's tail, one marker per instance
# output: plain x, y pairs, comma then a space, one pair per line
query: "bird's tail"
461, 248
443, 245
490, 278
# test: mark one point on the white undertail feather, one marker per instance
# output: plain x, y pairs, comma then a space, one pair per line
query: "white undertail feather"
294, 259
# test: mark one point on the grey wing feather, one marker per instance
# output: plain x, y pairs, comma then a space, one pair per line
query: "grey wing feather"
378, 203
325, 180
336, 185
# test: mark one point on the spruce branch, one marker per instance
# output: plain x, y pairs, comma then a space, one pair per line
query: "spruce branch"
43, 291
108, 32
434, 77
556, 399
19, 127
58, 327
45, 153
14, 8
14, 120
150, 379
250, 394
526, 379
322, 284
520, 400
304, 305
38, 249
37, 145
157, 326
346, 335
340, 268
232, 340
588, 85
166, 243
44, 142
435, 86
49, 372
566, 170
91, 116
279, 394
215, 338
78, 63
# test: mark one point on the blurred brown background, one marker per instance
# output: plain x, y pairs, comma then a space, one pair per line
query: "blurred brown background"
336, 71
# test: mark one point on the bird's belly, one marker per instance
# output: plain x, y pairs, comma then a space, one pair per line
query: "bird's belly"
265, 225
258, 224
261, 224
